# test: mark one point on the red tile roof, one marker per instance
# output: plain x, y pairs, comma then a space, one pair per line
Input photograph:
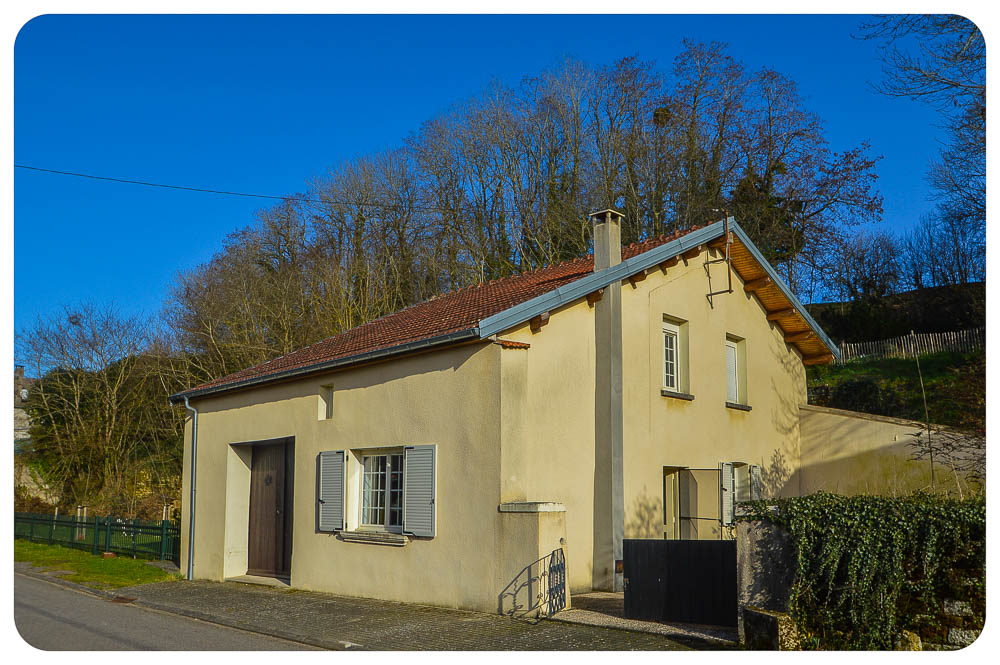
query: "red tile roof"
448, 313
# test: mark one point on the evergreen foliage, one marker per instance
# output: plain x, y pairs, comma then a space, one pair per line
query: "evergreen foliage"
869, 567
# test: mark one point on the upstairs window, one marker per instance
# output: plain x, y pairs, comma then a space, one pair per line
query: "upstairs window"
732, 372
671, 357
736, 373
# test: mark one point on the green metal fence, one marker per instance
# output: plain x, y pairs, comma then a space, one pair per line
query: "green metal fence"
137, 538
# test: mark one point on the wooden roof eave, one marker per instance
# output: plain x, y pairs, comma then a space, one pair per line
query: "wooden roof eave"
788, 313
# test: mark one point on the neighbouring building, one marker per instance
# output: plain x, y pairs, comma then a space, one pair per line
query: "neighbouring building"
433, 454
23, 476
22, 422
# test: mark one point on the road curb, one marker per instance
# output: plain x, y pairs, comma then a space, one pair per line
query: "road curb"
54, 579
191, 614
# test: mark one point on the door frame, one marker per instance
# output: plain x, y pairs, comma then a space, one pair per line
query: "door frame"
289, 507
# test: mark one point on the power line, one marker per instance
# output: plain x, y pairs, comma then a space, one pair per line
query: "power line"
228, 193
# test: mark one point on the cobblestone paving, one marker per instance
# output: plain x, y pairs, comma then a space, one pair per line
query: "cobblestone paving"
356, 623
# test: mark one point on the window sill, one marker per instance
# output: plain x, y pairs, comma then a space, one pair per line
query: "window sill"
738, 407
676, 395
375, 538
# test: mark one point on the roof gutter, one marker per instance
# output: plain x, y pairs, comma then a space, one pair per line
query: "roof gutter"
419, 345
598, 280
568, 293
518, 314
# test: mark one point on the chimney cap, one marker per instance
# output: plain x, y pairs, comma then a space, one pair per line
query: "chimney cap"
607, 213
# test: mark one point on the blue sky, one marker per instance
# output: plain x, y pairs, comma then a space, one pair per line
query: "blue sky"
263, 104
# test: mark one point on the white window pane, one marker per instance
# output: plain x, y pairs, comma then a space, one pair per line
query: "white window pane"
373, 490
670, 360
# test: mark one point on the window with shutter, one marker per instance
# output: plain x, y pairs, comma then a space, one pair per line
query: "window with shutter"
382, 491
741, 482
419, 488
330, 508
726, 493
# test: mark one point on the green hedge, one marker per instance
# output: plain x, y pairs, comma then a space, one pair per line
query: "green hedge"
869, 567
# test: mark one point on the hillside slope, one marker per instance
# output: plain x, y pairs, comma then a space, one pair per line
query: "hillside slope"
955, 384
934, 309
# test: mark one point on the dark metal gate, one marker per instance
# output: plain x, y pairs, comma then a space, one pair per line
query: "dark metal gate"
687, 581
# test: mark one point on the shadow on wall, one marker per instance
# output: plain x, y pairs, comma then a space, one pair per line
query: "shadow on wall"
450, 360
776, 475
765, 572
645, 517
886, 473
538, 590
853, 453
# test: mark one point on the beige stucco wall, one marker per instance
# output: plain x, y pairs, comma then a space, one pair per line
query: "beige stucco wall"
659, 431
858, 453
449, 398
699, 434
509, 425
556, 417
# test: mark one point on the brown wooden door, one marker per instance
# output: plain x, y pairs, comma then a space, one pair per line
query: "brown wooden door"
269, 546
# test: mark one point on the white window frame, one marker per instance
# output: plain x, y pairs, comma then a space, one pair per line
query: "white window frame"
671, 330
386, 490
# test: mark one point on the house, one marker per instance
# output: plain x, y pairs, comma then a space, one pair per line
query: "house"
26, 482
437, 453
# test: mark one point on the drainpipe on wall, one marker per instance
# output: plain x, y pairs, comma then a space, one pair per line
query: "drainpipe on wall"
194, 471
609, 496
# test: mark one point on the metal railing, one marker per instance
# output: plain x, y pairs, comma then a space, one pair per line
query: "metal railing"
136, 538
910, 346
538, 591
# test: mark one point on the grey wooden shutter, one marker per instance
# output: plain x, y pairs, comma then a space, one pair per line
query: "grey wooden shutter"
756, 489
419, 488
330, 508
726, 492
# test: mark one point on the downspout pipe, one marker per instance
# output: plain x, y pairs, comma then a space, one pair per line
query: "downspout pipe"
194, 474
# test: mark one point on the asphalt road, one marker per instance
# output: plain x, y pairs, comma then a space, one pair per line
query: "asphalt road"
54, 618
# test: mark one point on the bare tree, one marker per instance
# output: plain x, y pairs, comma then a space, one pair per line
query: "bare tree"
102, 433
868, 266
941, 60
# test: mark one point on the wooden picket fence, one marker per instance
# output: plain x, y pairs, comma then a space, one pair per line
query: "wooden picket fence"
910, 346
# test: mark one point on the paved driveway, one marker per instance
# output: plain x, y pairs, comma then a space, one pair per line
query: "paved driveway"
339, 622
54, 618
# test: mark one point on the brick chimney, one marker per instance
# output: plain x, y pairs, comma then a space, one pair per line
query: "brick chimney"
609, 495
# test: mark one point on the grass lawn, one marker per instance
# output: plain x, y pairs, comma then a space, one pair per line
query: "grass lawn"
87, 569
945, 376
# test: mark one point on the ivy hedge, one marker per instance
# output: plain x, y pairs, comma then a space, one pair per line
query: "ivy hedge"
869, 567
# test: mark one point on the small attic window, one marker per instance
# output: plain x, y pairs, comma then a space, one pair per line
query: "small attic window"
326, 402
